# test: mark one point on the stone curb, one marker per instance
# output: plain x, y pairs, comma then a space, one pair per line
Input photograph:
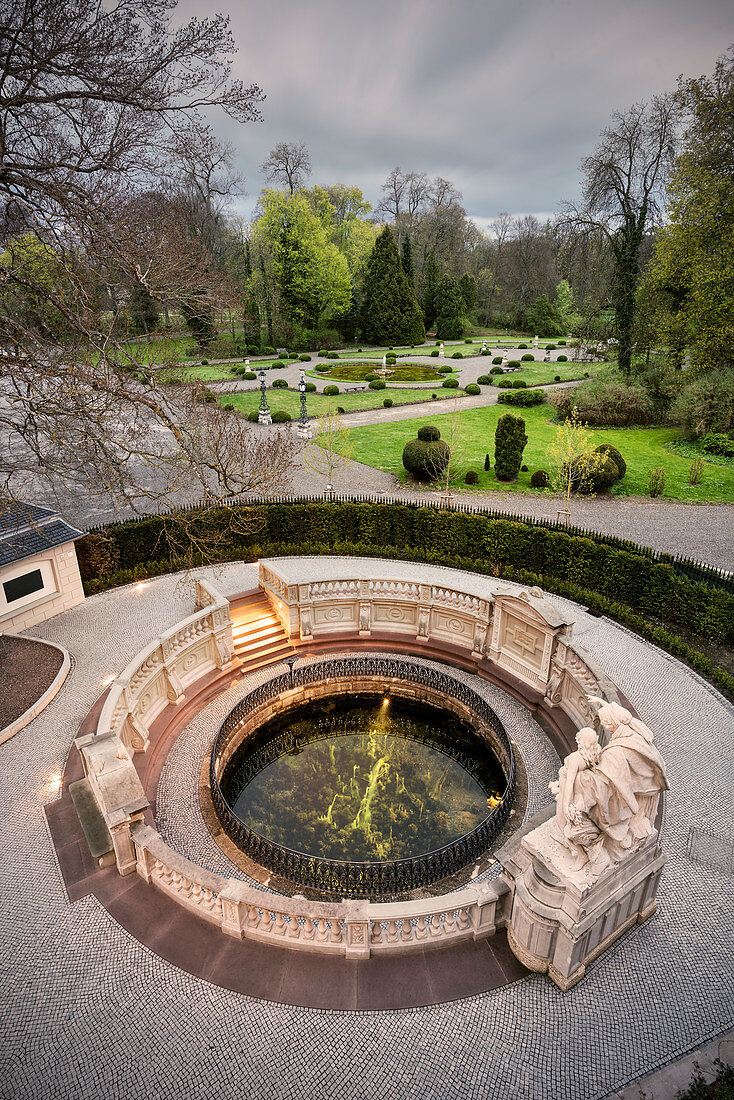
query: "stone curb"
676, 1076
49, 694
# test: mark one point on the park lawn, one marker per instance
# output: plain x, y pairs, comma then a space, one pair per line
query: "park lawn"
381, 446
543, 374
403, 372
289, 400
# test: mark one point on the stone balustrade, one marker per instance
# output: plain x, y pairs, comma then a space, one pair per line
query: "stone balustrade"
355, 929
159, 674
500, 628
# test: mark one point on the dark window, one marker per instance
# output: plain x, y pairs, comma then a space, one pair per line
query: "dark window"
23, 586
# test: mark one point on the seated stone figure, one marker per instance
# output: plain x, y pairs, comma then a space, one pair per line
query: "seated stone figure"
606, 799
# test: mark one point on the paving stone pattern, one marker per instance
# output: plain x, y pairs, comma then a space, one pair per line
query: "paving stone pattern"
88, 1012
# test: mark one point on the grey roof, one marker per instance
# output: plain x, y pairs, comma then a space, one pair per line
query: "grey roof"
27, 529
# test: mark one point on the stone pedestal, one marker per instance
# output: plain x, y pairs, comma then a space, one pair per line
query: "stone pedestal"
563, 918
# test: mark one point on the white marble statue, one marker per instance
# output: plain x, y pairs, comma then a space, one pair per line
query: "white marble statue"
384, 361
606, 798
441, 352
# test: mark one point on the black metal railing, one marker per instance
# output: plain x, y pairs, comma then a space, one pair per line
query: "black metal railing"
356, 879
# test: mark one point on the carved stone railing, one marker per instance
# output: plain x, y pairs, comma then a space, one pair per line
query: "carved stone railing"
159, 674
356, 929
520, 632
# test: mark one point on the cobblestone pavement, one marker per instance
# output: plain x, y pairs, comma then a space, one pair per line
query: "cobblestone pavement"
88, 1012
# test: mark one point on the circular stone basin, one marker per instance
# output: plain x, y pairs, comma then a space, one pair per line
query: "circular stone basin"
365, 779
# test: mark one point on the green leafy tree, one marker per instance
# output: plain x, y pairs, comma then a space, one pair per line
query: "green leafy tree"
691, 277
406, 257
36, 284
251, 320
430, 282
468, 288
390, 311
450, 307
142, 310
565, 307
509, 443
543, 318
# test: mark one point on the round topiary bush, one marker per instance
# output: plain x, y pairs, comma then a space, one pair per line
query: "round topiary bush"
205, 362
434, 397
331, 391
283, 355
249, 375
429, 433
514, 363
590, 474
496, 370
304, 358
539, 480
485, 351
484, 380
528, 359
522, 346
332, 355
616, 457
550, 347
468, 341
519, 384
472, 477
457, 355
604, 474
557, 378
279, 384
505, 383
562, 359
497, 360
340, 409
390, 361
378, 384
561, 343
387, 403
472, 389
450, 383
425, 460
322, 368
252, 416
310, 387
434, 354
371, 377
280, 416
445, 370
267, 350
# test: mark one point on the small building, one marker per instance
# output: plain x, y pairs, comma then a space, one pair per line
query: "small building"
39, 574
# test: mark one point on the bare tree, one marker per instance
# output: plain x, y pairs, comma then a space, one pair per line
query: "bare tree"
331, 448
500, 228
289, 164
623, 189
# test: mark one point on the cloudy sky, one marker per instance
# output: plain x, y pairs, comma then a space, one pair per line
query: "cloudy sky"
502, 97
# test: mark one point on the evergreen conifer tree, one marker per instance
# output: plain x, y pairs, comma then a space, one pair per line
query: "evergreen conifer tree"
449, 309
468, 288
509, 444
390, 312
430, 282
407, 260
142, 310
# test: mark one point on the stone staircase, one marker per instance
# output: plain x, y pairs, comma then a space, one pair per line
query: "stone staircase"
259, 638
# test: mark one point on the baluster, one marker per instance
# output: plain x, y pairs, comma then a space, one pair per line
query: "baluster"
376, 935
336, 932
266, 924
280, 925
393, 932
253, 917
449, 925
421, 932
294, 928
435, 927
406, 932
308, 929
464, 921
322, 934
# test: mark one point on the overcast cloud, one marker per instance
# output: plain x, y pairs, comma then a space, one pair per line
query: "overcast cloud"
501, 98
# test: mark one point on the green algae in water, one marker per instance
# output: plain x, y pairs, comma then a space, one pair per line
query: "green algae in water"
364, 781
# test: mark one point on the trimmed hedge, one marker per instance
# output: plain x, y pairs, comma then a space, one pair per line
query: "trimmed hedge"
630, 587
524, 398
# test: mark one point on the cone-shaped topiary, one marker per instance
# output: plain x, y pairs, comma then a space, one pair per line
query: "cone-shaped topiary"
390, 311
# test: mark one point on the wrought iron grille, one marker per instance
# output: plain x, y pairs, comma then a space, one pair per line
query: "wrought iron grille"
354, 879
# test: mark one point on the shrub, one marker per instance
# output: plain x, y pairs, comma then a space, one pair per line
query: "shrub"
249, 375
522, 346
472, 477
429, 433
253, 416
331, 391
706, 405
390, 361
371, 376
304, 358
519, 384
523, 469
283, 355
496, 370
562, 359
607, 448
561, 343
604, 473
539, 480
606, 402
341, 410
472, 389
525, 399
267, 350
445, 370
378, 384
434, 397
592, 473
322, 368
434, 354
205, 362
504, 383
279, 384
717, 443
550, 347
514, 363
695, 474
656, 481
497, 360
457, 355
424, 459
557, 378
484, 380
450, 383
527, 358
332, 355
229, 408
509, 443
253, 351
485, 351
486, 462
280, 416
468, 341
387, 403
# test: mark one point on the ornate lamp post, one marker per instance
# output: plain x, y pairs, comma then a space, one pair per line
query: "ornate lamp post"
263, 413
304, 428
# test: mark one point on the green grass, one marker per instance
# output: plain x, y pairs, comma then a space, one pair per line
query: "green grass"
542, 374
289, 400
381, 446
403, 372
